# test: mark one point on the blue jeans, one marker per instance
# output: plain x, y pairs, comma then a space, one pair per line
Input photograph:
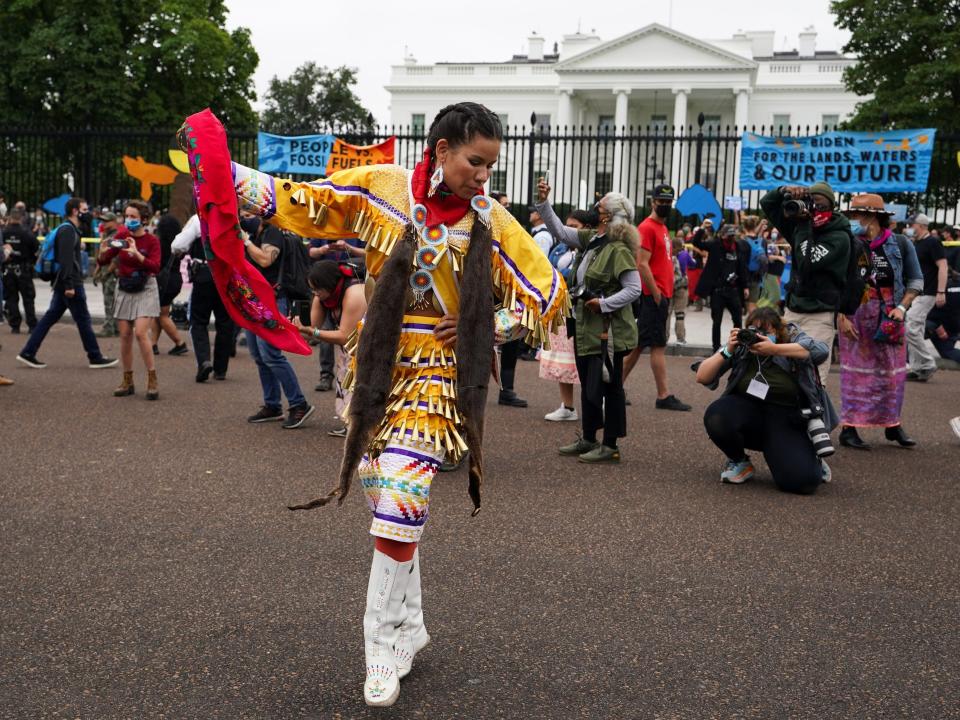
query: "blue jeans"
59, 304
275, 370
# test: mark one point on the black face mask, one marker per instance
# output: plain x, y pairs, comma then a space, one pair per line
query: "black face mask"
250, 225
662, 211
85, 218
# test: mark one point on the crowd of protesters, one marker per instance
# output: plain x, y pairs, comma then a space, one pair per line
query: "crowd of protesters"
633, 286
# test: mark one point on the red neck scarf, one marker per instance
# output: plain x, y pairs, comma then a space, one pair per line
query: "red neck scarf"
444, 207
348, 278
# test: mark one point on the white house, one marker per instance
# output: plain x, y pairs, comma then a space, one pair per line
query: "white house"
654, 78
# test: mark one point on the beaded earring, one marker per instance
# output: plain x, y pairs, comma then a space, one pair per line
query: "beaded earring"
435, 181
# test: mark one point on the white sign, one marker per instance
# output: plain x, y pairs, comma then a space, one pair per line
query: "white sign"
899, 211
733, 202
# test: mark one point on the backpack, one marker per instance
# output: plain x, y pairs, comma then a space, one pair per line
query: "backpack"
859, 268
758, 250
47, 267
294, 266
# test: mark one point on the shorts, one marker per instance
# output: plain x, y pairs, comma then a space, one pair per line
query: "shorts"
652, 322
755, 287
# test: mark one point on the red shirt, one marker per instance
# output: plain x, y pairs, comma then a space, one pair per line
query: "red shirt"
655, 239
149, 247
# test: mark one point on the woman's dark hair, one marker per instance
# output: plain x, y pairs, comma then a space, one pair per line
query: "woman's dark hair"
587, 218
768, 317
459, 123
324, 275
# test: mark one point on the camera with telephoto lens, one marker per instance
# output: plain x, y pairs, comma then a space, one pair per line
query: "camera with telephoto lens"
819, 435
748, 336
799, 207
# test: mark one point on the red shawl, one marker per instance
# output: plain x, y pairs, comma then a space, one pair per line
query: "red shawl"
444, 207
248, 297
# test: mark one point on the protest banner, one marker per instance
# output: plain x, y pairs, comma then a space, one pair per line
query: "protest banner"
317, 155
894, 161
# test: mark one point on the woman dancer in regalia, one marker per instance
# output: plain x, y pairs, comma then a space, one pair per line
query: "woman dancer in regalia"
455, 274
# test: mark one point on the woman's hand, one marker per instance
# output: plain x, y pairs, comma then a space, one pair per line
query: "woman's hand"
763, 346
543, 190
732, 340
896, 313
847, 328
446, 330
593, 305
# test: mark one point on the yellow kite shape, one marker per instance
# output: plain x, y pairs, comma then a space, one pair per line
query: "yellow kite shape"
149, 174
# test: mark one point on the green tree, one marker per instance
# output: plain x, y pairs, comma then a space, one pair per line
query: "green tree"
311, 99
136, 63
908, 59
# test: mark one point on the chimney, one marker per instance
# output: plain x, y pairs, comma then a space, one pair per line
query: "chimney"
808, 42
535, 43
577, 43
761, 43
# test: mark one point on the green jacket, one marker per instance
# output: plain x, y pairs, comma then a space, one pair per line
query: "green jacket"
602, 278
819, 266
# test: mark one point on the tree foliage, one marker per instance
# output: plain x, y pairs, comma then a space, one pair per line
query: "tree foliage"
311, 99
908, 59
136, 63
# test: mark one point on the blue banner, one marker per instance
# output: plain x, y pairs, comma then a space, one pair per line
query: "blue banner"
894, 161
304, 154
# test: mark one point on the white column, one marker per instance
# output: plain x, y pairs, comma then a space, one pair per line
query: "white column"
563, 189
740, 120
679, 128
620, 122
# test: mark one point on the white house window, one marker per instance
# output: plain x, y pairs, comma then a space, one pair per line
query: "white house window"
503, 120
543, 124
781, 122
711, 123
417, 123
606, 125
830, 122
658, 123
498, 181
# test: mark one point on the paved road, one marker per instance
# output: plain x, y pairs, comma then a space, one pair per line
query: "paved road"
149, 568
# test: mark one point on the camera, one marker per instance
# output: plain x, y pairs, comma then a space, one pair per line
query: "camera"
796, 207
584, 293
748, 336
118, 244
819, 435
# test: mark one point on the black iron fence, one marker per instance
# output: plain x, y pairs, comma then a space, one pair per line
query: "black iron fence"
580, 163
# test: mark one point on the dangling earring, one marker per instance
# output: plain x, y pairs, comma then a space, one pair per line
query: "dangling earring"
435, 181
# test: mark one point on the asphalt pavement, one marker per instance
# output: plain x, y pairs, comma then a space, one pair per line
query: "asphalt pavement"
150, 568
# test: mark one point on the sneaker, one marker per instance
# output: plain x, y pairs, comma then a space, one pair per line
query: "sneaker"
266, 414
339, 432
219, 376
106, 333
920, 375
825, 472
737, 472
298, 416
180, 349
681, 343
601, 454
325, 384
31, 360
102, 362
562, 414
671, 402
580, 447
204, 372
955, 425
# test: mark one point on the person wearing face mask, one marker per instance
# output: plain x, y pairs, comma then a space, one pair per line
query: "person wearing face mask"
725, 277
264, 244
68, 293
820, 245
655, 265
873, 355
773, 392
933, 265
137, 304
607, 282
106, 275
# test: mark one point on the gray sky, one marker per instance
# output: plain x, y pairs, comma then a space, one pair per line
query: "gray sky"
371, 36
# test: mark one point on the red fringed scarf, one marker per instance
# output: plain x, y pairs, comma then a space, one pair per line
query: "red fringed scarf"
248, 297
444, 207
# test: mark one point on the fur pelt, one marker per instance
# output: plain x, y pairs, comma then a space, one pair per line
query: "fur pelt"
475, 348
625, 233
376, 356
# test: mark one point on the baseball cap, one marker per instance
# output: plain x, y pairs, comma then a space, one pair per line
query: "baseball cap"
728, 231
663, 192
707, 222
920, 219
108, 216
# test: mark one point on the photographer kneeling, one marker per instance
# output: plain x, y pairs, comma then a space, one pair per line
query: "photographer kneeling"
773, 403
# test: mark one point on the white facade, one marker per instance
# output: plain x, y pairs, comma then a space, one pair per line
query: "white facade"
651, 77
